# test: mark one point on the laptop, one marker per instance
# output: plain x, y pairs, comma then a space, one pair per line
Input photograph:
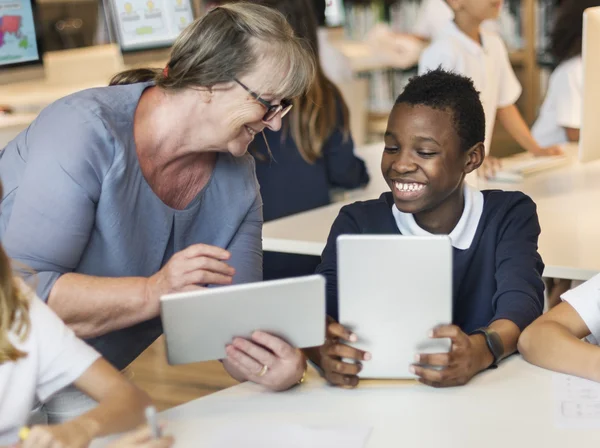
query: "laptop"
392, 291
199, 324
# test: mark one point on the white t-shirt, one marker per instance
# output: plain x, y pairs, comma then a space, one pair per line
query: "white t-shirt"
586, 301
487, 65
334, 63
563, 104
55, 358
433, 16
463, 233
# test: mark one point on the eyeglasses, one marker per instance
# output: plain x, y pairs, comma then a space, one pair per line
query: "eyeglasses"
272, 109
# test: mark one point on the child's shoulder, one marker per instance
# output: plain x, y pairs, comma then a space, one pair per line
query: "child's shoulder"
383, 203
441, 48
501, 204
373, 216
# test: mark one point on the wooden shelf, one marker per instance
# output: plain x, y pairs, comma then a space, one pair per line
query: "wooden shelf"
518, 57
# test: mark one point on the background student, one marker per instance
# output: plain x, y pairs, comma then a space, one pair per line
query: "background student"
559, 120
554, 341
313, 153
433, 140
464, 47
39, 356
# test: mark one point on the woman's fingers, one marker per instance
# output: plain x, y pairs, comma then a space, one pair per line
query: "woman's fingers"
260, 354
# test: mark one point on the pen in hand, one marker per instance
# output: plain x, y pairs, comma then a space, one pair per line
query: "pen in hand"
150, 412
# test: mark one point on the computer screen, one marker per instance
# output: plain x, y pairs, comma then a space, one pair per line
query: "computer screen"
589, 141
149, 24
18, 38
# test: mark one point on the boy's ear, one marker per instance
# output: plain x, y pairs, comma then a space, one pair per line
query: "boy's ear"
475, 157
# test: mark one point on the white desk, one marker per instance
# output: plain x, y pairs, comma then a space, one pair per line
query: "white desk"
512, 406
568, 201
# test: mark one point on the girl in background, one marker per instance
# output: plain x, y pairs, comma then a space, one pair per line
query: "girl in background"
312, 154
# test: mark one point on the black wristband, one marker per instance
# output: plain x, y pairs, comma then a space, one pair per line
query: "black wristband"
494, 343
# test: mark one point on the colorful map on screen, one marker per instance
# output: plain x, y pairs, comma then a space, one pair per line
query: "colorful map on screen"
17, 32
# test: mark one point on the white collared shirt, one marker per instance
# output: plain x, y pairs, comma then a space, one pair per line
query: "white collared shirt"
335, 65
562, 106
488, 65
55, 359
463, 233
586, 301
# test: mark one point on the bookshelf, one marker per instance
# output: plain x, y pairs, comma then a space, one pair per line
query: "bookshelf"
527, 41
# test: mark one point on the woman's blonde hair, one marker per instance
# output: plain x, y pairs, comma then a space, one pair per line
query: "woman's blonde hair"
316, 115
14, 310
228, 42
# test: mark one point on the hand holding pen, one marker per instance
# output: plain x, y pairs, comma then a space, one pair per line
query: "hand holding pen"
148, 436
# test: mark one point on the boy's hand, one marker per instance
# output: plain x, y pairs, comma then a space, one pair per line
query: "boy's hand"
468, 356
68, 435
338, 372
142, 438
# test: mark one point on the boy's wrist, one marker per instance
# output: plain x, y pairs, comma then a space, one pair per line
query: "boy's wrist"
483, 355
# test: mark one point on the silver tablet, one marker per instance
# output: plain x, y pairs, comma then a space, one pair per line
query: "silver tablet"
199, 324
392, 291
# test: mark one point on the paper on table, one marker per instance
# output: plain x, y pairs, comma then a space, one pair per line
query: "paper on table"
288, 436
577, 402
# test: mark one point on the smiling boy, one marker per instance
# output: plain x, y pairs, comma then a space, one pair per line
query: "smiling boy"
435, 138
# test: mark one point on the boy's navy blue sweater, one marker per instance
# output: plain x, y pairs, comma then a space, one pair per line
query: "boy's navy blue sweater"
497, 277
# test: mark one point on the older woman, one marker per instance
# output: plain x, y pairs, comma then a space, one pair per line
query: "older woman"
118, 195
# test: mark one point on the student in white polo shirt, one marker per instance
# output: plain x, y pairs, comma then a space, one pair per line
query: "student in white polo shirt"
465, 48
40, 355
560, 116
555, 340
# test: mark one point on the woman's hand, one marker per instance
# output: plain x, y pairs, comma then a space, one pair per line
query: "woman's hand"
142, 438
468, 356
267, 360
192, 268
72, 434
338, 372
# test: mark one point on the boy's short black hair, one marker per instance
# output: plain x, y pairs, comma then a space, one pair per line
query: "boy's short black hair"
443, 90
567, 32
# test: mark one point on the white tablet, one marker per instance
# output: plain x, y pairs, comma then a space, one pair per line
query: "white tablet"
199, 324
392, 291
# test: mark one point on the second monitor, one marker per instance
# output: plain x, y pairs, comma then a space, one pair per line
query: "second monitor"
146, 29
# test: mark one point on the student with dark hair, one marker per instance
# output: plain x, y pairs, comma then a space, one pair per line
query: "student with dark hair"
299, 165
560, 116
433, 140
313, 152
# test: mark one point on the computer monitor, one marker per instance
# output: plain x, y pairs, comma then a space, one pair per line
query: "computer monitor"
149, 26
589, 139
20, 46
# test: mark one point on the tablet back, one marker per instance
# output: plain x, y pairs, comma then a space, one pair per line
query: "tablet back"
198, 325
393, 290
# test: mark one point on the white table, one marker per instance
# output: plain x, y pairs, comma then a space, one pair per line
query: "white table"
568, 201
512, 406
